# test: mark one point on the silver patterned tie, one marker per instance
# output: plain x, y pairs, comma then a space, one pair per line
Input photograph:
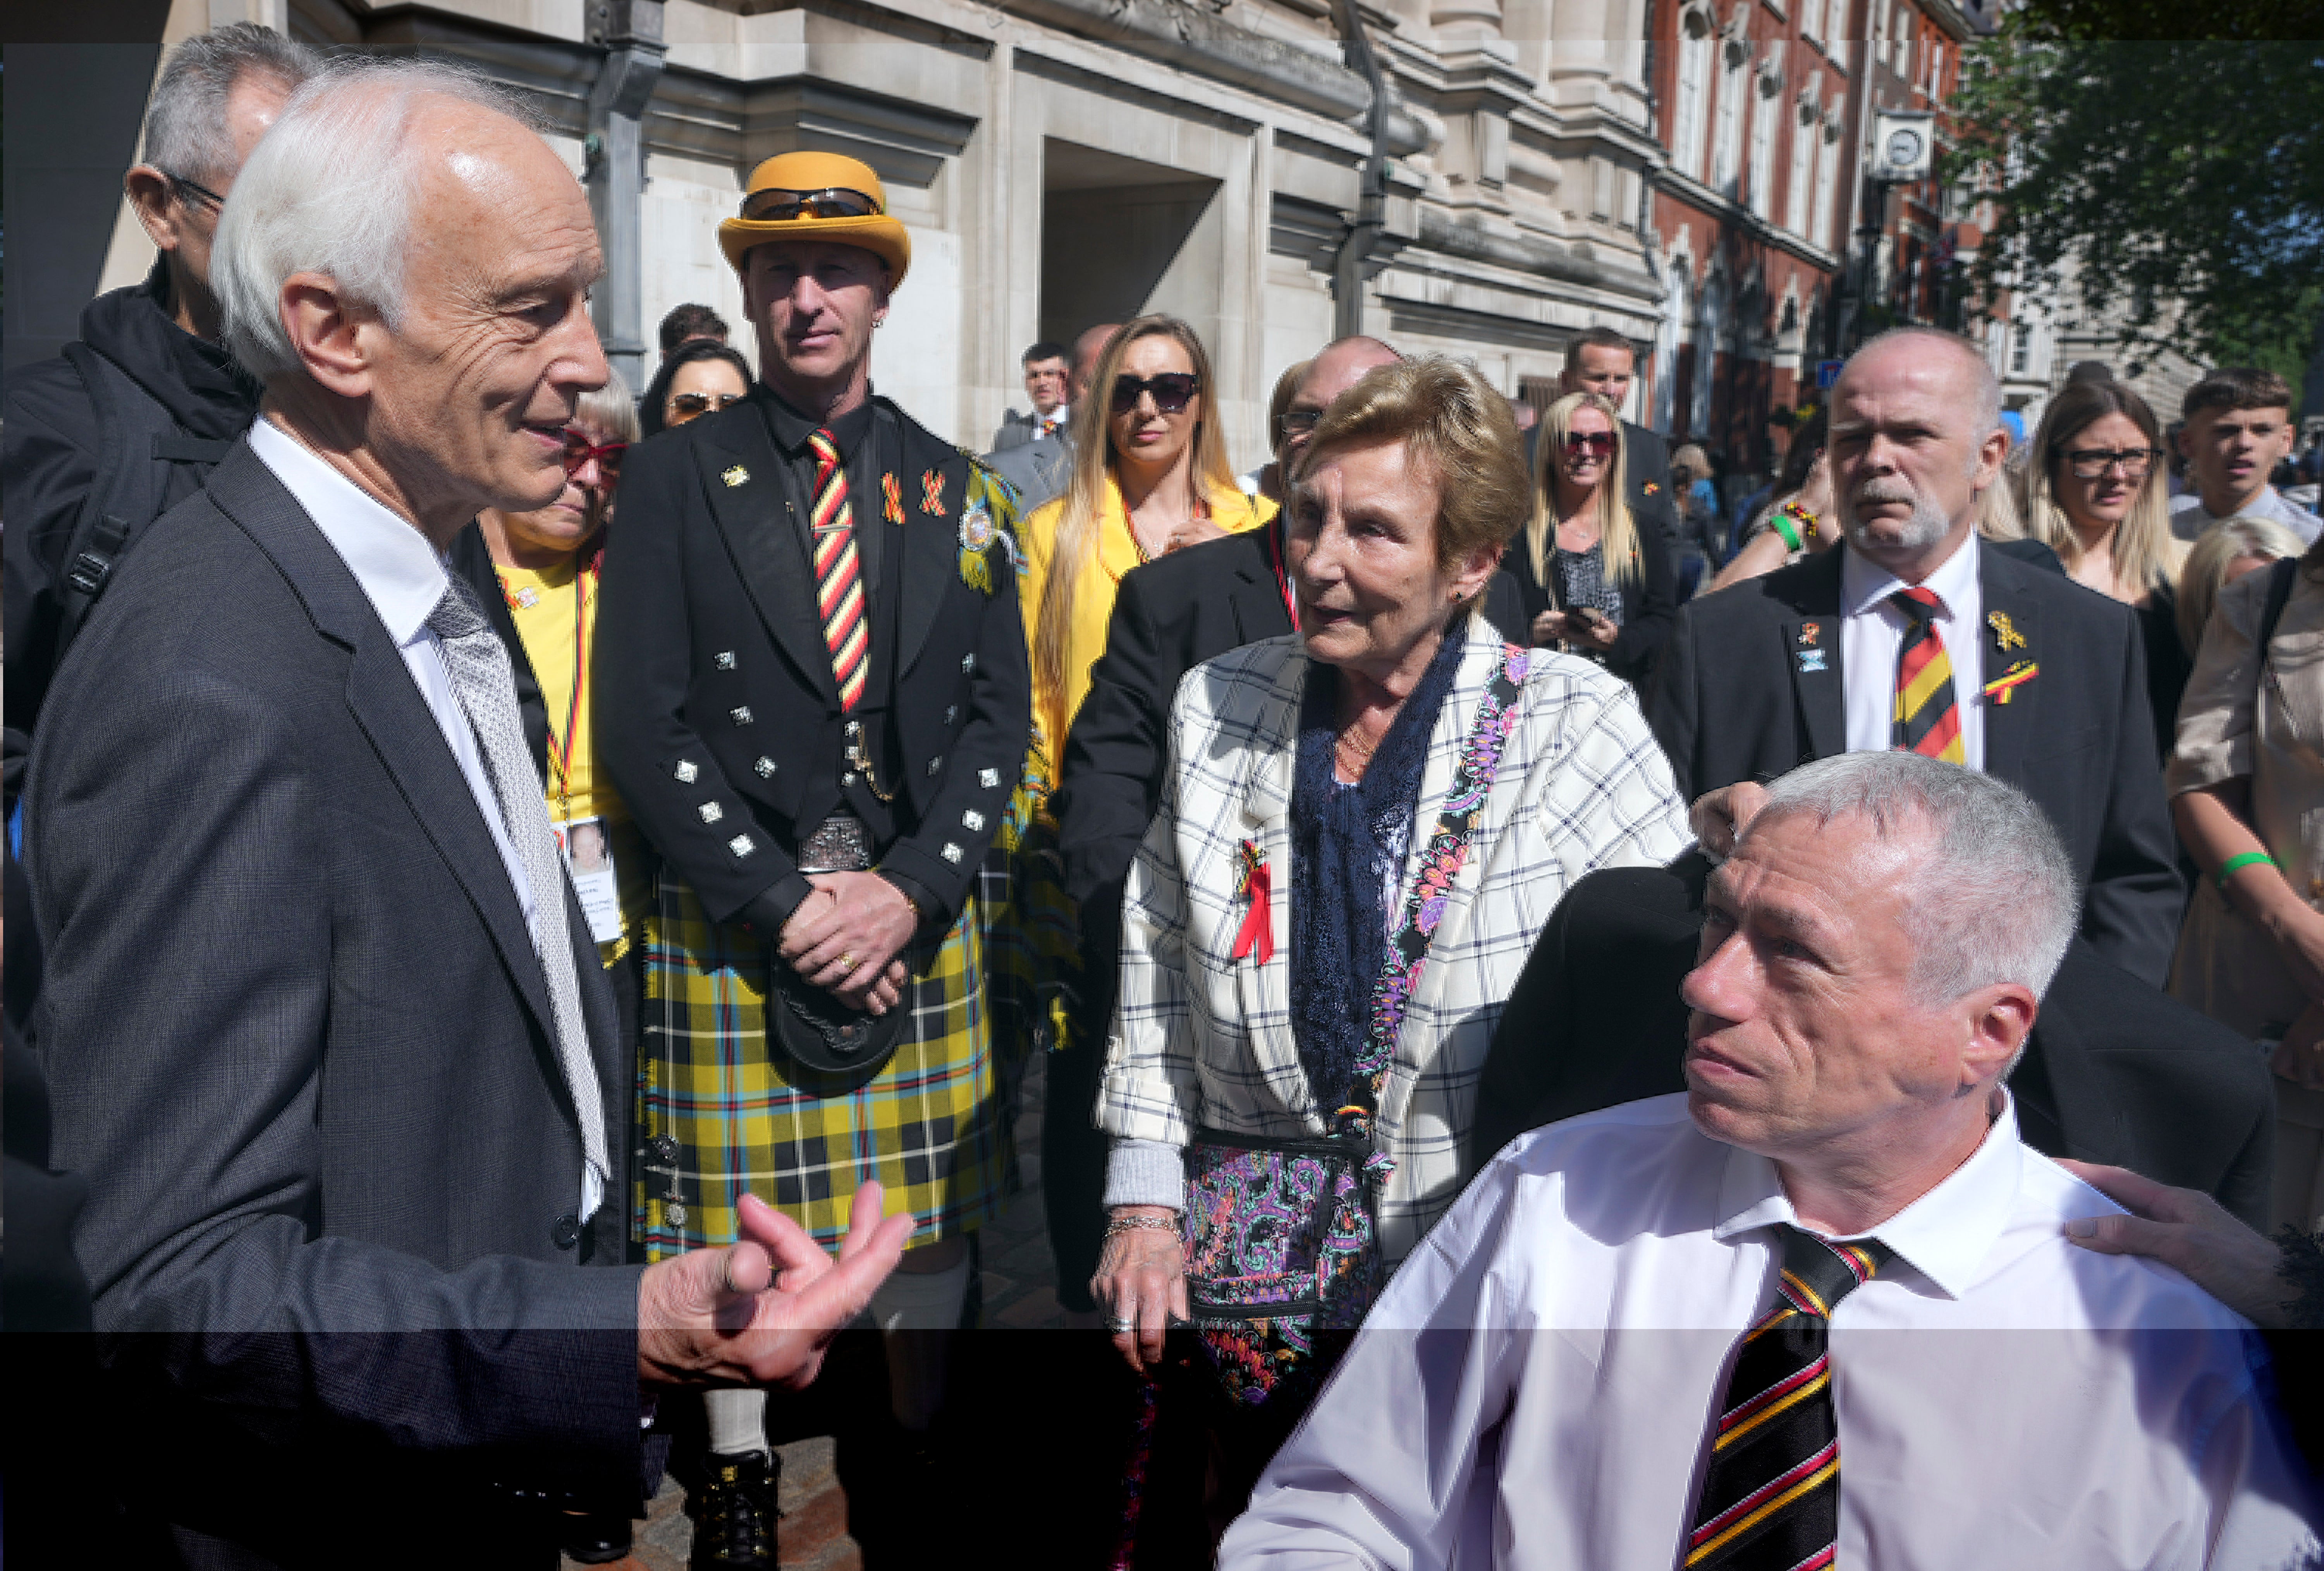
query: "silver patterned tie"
486, 688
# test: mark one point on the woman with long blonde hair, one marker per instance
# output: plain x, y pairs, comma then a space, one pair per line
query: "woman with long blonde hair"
1592, 584
1150, 475
2094, 494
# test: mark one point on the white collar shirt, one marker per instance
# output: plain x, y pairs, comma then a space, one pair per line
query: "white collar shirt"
1052, 425
1872, 633
404, 577
2190, 518
1533, 1389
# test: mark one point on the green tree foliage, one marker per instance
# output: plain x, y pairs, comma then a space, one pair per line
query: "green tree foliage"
2179, 180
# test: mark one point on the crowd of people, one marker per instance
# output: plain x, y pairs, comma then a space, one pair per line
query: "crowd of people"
530, 908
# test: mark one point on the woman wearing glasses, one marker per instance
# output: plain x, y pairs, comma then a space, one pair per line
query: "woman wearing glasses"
1593, 584
699, 377
2094, 494
1150, 475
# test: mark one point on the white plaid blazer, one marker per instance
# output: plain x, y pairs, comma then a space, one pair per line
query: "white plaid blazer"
1202, 1039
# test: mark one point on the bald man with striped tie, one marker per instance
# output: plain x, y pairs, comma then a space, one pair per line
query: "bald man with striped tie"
1916, 633
1822, 1308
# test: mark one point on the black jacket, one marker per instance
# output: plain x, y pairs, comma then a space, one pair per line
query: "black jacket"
1649, 603
2116, 1072
1731, 703
48, 452
472, 559
298, 1038
717, 713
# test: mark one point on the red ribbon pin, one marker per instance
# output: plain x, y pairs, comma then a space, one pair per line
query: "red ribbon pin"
1258, 934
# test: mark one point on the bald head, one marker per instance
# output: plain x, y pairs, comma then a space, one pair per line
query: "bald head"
1087, 349
1339, 367
1915, 439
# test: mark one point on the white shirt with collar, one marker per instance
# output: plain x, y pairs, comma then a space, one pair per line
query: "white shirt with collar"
1057, 420
1534, 1389
1872, 630
2190, 518
404, 577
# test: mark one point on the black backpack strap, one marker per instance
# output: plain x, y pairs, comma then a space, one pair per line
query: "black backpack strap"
134, 431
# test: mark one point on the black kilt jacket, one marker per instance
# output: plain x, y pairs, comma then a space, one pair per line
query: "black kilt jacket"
717, 713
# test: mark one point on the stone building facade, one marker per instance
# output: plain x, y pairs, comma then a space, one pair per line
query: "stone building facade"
1066, 162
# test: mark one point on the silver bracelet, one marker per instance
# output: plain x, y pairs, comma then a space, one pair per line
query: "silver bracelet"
1119, 1224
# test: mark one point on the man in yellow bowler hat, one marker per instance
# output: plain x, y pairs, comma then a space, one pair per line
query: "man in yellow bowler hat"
813, 691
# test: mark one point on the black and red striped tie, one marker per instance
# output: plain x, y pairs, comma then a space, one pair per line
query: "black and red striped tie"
1770, 1498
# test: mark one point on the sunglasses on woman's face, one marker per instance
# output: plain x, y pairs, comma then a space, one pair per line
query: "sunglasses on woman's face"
1171, 390
831, 202
579, 451
1590, 441
683, 407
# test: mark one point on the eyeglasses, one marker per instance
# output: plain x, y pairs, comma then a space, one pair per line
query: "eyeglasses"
773, 205
2089, 462
580, 452
1171, 389
683, 407
192, 191
1590, 441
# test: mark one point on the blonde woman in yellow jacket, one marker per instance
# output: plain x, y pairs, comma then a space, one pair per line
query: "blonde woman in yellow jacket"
1150, 475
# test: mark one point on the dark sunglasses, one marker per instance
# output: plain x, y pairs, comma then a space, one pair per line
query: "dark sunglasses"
191, 191
579, 451
1171, 389
1589, 441
687, 406
773, 205
2089, 462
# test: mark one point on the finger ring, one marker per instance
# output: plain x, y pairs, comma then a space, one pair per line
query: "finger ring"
726, 1272
1118, 1326
846, 963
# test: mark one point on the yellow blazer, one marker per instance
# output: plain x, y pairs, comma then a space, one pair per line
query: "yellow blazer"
1101, 575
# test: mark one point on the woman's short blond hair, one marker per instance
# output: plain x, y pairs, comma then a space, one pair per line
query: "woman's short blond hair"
2205, 573
1455, 425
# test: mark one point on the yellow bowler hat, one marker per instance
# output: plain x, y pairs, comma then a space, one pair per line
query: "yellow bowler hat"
809, 172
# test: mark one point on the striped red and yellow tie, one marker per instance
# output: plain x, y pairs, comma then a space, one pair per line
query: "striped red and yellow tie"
1770, 1497
838, 586
1927, 720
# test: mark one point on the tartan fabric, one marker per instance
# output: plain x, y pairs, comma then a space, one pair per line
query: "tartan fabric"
932, 1126
1200, 1038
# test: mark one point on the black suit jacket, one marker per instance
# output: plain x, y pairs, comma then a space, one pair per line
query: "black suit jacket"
299, 1042
2116, 1072
1731, 703
715, 686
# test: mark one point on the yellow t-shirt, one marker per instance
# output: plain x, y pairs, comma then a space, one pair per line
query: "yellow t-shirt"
1101, 575
556, 612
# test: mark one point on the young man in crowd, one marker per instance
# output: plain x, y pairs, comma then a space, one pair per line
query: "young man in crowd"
1038, 468
686, 323
1046, 376
2237, 428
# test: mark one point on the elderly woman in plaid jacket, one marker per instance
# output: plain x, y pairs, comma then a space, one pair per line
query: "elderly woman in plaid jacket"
1363, 827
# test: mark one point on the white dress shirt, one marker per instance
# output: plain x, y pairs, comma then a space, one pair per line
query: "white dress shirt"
404, 577
1536, 1387
2190, 518
1872, 629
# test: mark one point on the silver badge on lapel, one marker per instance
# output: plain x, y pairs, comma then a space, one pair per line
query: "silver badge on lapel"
737, 475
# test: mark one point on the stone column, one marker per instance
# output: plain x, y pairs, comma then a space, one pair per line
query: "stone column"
630, 32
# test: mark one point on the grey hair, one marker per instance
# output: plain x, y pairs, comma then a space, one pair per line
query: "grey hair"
185, 130
1997, 900
612, 408
1987, 392
331, 189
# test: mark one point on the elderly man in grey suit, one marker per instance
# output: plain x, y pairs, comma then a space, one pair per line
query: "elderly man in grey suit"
349, 1107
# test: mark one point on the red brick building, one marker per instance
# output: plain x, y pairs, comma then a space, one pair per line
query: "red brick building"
1766, 111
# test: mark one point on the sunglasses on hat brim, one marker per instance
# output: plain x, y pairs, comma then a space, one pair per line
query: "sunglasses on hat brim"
776, 206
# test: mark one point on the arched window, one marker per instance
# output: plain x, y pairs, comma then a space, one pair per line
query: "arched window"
1766, 100
1798, 189
1669, 398
1734, 90
1709, 322
1825, 221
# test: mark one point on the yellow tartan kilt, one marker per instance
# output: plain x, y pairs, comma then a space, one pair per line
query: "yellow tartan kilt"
933, 1126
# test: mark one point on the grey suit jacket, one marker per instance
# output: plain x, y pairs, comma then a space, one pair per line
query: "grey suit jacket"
1039, 472
296, 1034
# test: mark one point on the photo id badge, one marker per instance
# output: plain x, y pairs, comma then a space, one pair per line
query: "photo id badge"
588, 849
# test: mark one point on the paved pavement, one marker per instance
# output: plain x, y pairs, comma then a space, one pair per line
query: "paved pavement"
1020, 1293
